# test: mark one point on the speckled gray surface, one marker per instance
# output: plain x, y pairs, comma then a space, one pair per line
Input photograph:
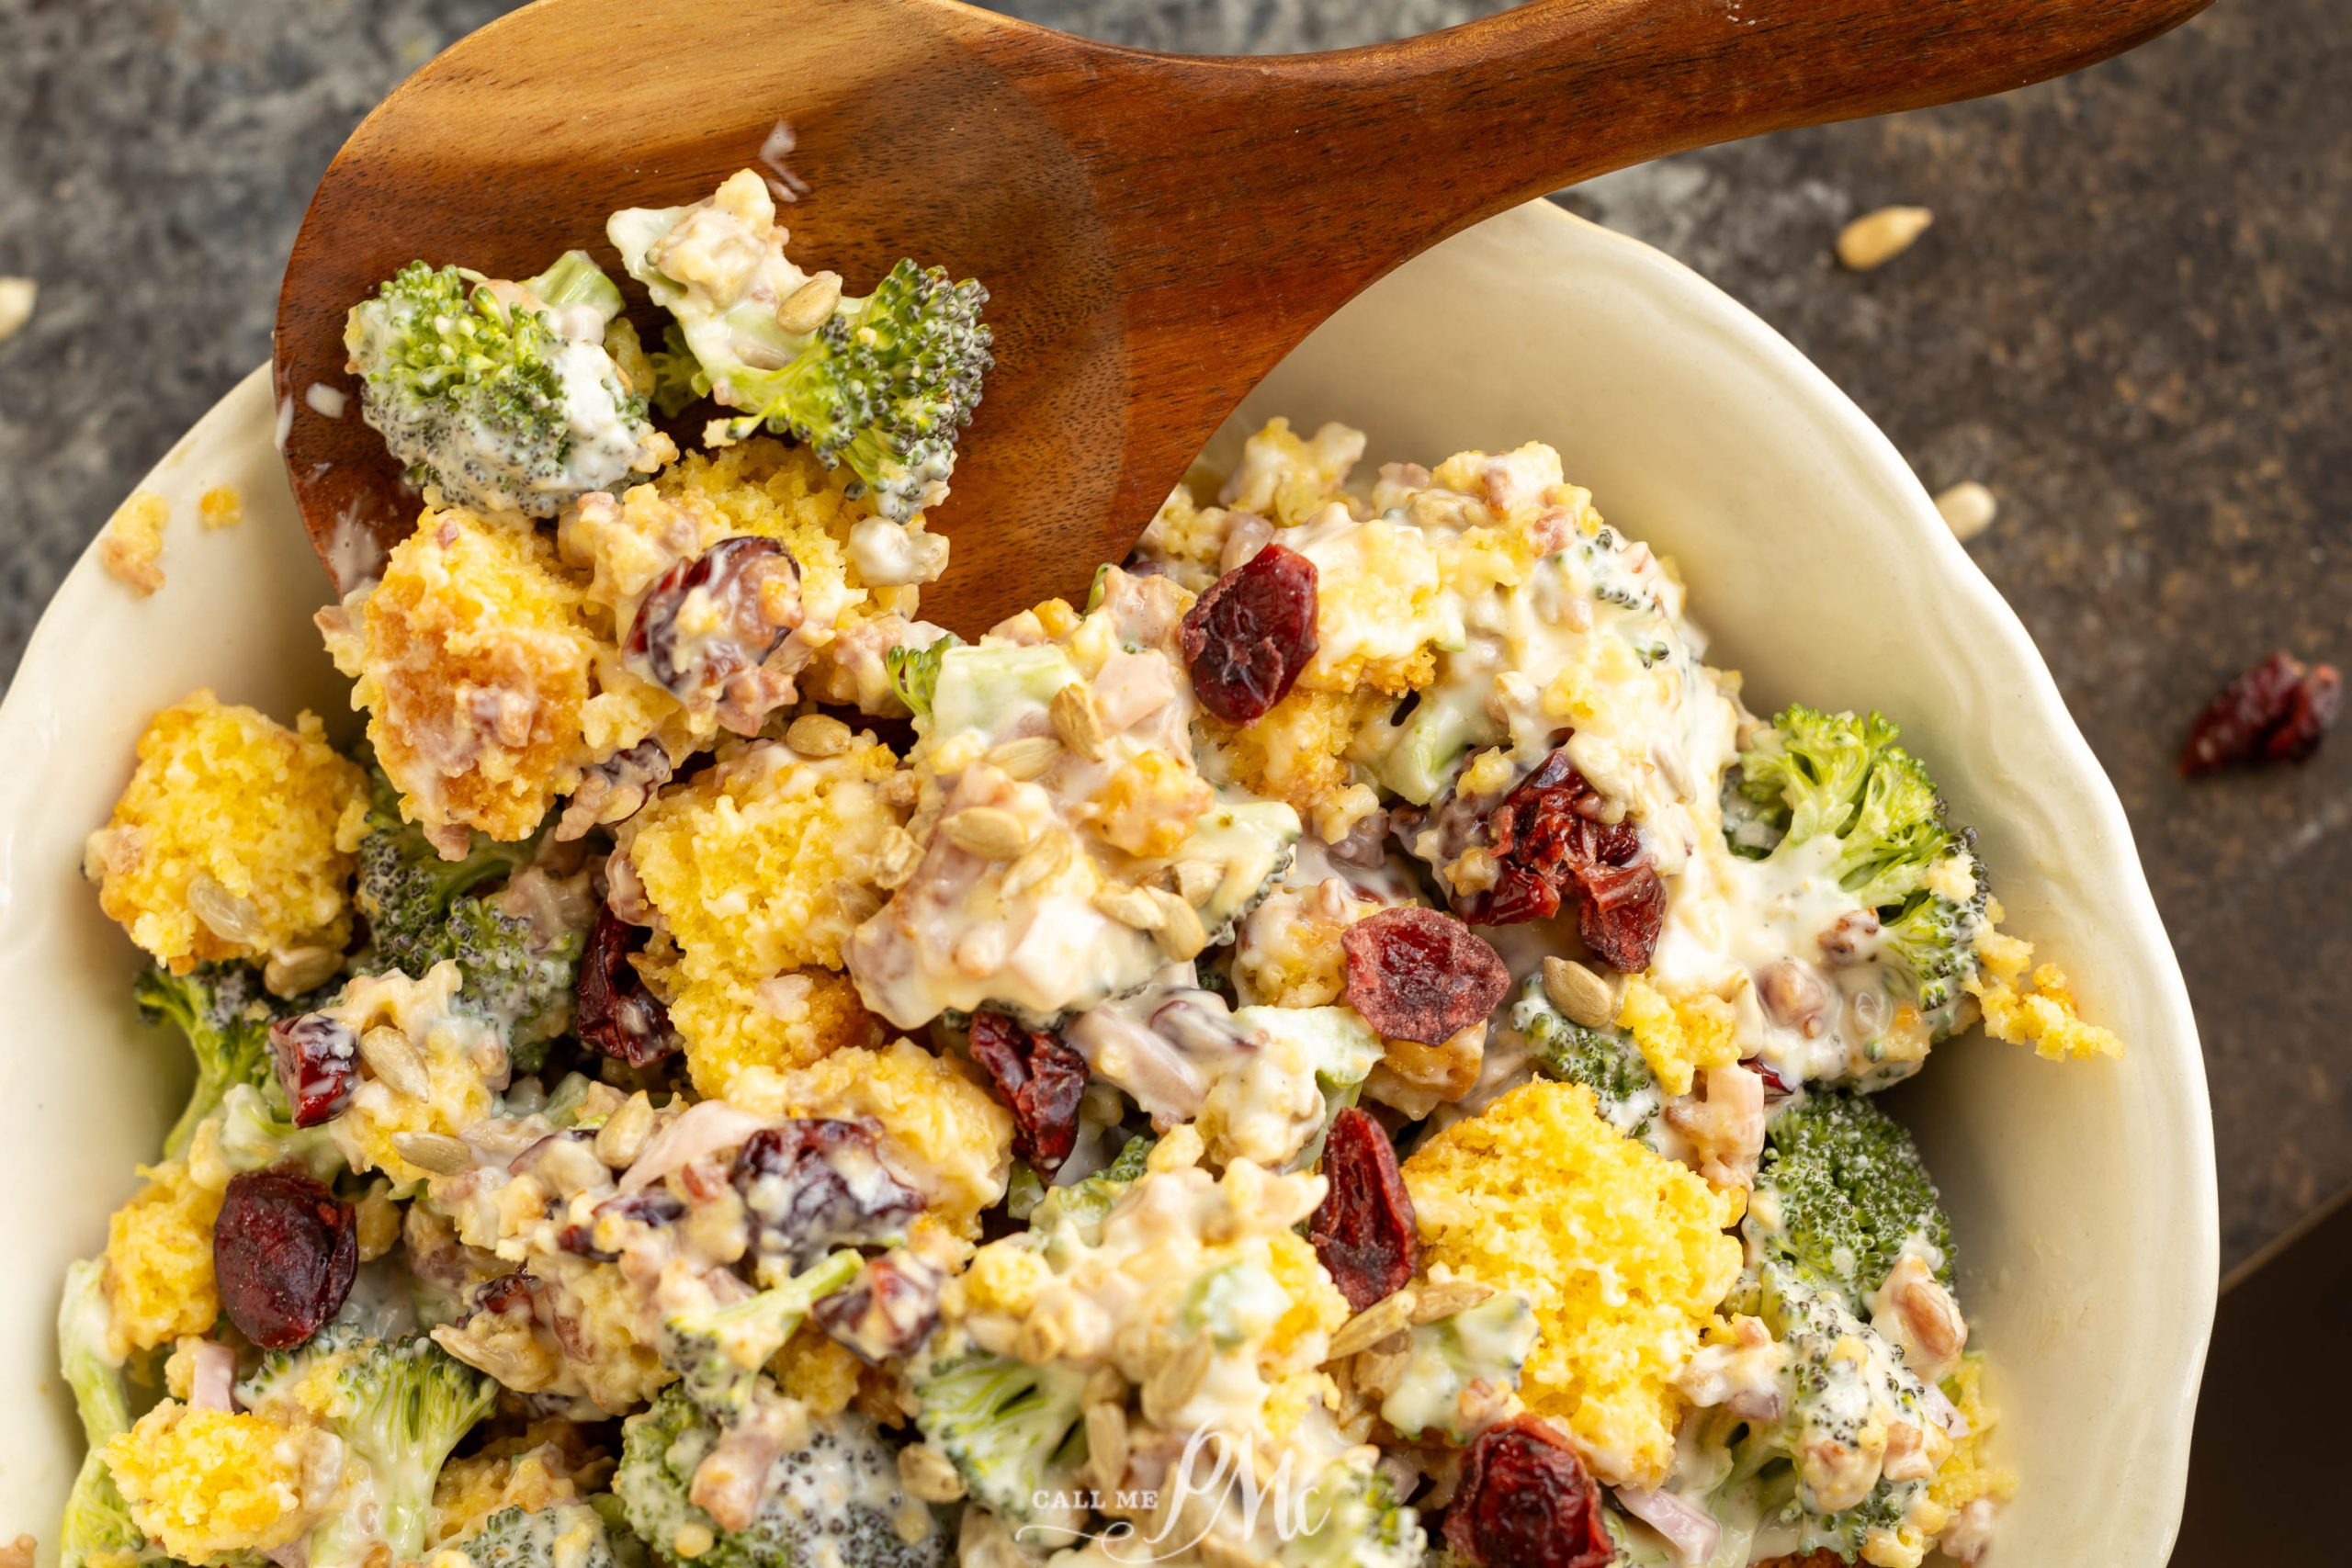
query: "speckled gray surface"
2131, 320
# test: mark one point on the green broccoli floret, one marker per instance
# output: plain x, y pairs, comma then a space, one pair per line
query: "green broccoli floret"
1815, 777
1084, 1204
1357, 1523
504, 395
1488, 1342
421, 909
571, 1534
885, 383
834, 1499
401, 1405
257, 1133
97, 1522
717, 1352
1605, 1061
1016, 1433
224, 1014
1834, 1395
914, 672
1841, 1191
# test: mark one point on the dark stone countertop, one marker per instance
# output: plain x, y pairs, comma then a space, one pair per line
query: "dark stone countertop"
2132, 319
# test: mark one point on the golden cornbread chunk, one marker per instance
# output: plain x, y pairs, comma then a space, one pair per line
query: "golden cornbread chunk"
1678, 1034
159, 1280
946, 1133
223, 845
1621, 1250
2036, 1008
472, 657
203, 1483
733, 1025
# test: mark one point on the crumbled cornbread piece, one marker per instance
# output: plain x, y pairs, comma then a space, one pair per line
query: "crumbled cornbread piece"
1288, 480
457, 1058
159, 1262
221, 507
472, 656
764, 864
1967, 1473
1298, 750
1148, 805
203, 1483
732, 1025
1378, 613
1679, 1035
945, 1133
2040, 1012
473, 1486
131, 545
223, 845
817, 1369
1621, 1250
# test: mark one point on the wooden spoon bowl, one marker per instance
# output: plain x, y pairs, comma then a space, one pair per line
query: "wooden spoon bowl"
1156, 232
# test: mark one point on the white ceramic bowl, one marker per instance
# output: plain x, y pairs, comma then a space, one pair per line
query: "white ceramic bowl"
2082, 1195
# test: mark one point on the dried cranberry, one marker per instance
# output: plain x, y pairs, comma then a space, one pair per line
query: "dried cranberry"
1619, 912
2309, 716
887, 1310
708, 620
1421, 974
612, 1009
810, 1186
1776, 1088
317, 1066
1364, 1231
2277, 712
1550, 844
1526, 1501
1041, 1079
284, 1252
1251, 633
505, 1293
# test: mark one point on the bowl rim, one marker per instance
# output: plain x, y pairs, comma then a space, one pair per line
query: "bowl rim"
29, 731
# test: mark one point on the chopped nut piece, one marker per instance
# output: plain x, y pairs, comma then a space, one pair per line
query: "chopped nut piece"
1196, 879
926, 1473
988, 831
1876, 238
1026, 758
436, 1152
1446, 1297
1078, 721
294, 970
622, 1137
1131, 907
1967, 509
1374, 1324
392, 1057
818, 735
1106, 1443
1040, 861
899, 855
1581, 995
804, 311
1180, 1377
1179, 932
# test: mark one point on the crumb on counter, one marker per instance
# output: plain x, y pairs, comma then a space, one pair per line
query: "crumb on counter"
130, 547
1877, 238
16, 297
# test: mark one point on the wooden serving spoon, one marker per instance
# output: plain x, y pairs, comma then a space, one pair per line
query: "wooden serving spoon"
1156, 232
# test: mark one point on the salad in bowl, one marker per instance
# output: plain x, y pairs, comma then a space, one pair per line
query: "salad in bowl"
1352, 1044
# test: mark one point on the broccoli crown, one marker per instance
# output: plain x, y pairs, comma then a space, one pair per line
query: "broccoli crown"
492, 392
571, 1534
835, 1499
1361, 1524
401, 1405
1814, 777
224, 1014
97, 1524
421, 909
718, 1351
1605, 1061
1837, 775
1837, 1395
1016, 1433
886, 385
1840, 1193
